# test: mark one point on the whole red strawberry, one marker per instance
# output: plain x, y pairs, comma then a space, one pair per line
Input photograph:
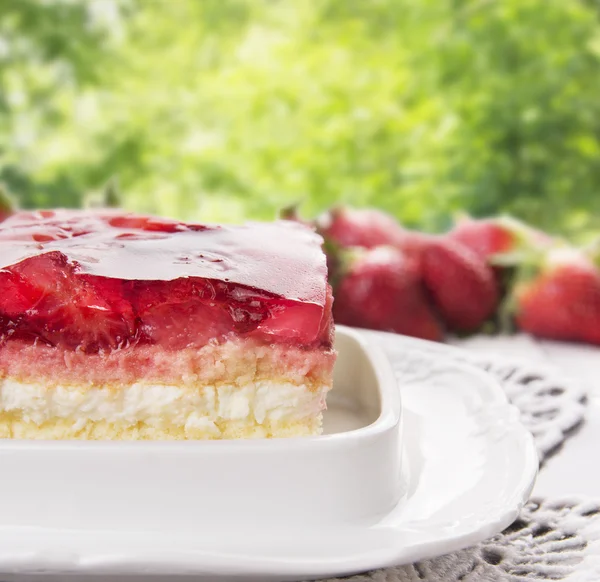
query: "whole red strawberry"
382, 290
462, 286
562, 301
492, 236
367, 227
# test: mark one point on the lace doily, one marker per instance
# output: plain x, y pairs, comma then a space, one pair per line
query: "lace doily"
551, 540
551, 406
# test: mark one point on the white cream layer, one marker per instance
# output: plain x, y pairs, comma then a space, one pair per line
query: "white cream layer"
163, 404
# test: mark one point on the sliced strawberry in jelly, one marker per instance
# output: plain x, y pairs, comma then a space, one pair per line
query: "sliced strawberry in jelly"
48, 225
193, 311
131, 221
18, 295
292, 320
150, 223
178, 313
51, 301
186, 324
107, 279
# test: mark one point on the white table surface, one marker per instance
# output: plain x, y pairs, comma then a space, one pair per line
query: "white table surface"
574, 470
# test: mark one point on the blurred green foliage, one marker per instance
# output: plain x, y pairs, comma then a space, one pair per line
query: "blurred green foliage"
230, 109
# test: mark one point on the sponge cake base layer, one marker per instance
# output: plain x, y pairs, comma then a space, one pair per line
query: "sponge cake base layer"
13, 426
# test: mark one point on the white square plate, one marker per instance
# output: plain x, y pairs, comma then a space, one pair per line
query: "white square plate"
382, 488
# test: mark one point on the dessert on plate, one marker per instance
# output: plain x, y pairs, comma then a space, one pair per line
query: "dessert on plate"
120, 326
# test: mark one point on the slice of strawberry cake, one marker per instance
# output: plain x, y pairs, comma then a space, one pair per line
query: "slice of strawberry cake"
119, 326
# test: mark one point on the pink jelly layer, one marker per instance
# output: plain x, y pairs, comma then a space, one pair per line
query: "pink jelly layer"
237, 361
102, 281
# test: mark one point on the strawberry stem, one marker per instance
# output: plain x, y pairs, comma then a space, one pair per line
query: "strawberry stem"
112, 197
8, 203
343, 259
290, 212
506, 312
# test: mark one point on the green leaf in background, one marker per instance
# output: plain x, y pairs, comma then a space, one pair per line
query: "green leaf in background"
232, 109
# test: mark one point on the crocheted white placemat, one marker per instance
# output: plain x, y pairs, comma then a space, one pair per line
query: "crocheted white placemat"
552, 406
552, 539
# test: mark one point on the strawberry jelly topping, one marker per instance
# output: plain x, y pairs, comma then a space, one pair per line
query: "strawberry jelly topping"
106, 280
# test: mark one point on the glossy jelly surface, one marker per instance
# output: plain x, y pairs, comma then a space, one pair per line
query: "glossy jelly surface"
107, 280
